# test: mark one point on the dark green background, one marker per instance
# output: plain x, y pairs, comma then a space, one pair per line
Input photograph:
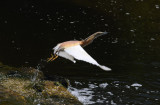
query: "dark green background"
29, 29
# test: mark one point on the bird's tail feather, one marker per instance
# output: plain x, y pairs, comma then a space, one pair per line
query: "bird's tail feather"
105, 68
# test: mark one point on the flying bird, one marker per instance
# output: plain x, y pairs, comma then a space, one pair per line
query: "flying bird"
72, 50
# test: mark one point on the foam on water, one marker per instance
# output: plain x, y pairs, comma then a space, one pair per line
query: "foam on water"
84, 95
136, 85
93, 93
103, 85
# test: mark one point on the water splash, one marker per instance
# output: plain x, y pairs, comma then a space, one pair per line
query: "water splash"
38, 68
84, 95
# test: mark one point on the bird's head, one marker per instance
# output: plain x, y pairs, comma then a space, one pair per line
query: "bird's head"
56, 48
101, 33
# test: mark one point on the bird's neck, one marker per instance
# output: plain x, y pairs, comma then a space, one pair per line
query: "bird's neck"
88, 40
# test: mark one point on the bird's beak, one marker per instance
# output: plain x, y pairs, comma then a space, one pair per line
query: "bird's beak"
104, 33
52, 58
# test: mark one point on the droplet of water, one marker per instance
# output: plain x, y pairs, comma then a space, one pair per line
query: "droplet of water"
12, 41
72, 22
152, 39
6, 21
139, 16
157, 6
110, 93
132, 30
102, 19
127, 13
103, 85
136, 85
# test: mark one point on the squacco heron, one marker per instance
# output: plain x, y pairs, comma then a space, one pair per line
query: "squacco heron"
72, 50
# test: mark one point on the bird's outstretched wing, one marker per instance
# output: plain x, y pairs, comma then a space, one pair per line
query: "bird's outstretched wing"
79, 53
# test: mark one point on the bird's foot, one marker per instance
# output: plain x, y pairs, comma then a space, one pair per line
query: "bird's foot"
53, 57
49, 59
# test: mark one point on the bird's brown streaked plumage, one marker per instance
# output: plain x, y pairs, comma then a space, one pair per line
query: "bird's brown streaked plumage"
90, 39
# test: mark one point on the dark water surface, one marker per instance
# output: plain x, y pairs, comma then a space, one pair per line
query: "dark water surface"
30, 29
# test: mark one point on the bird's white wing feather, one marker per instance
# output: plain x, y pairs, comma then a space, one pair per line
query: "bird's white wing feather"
67, 56
79, 53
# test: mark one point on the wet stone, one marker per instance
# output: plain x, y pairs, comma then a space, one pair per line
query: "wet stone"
17, 87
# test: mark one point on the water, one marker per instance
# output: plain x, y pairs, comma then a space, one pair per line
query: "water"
118, 88
133, 83
29, 30
116, 91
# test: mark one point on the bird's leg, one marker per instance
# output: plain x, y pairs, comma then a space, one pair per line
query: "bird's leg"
55, 56
52, 57
49, 59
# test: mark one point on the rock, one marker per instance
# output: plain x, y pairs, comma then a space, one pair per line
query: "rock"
57, 91
26, 86
8, 97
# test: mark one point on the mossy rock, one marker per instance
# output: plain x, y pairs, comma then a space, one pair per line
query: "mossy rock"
8, 97
58, 92
18, 86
